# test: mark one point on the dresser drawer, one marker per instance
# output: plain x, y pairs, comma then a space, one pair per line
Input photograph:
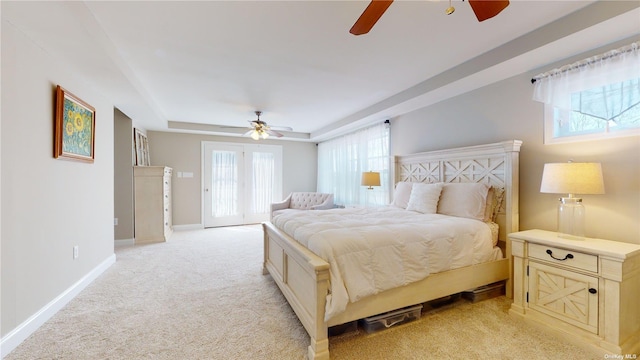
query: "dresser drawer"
570, 258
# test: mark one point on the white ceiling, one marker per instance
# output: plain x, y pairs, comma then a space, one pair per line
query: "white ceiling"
196, 66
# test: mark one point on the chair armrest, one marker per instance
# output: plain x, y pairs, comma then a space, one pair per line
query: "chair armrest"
279, 205
327, 204
284, 204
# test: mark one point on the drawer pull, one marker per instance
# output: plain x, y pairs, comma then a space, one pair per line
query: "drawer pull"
593, 291
569, 256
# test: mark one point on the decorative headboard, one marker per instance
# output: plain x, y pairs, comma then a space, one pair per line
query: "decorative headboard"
494, 164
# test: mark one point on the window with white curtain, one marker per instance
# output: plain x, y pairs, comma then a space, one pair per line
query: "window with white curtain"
224, 183
263, 181
342, 160
596, 98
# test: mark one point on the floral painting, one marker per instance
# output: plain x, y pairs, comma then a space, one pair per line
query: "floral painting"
75, 127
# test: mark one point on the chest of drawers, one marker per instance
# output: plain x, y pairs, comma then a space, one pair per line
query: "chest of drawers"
152, 203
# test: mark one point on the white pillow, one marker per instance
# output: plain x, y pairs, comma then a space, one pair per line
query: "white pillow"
401, 194
424, 197
467, 200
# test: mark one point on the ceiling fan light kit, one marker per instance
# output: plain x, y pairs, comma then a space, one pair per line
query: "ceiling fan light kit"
260, 129
483, 9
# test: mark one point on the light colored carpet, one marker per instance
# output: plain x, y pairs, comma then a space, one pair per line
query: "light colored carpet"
202, 295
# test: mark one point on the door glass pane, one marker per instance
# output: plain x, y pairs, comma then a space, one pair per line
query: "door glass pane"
224, 183
263, 165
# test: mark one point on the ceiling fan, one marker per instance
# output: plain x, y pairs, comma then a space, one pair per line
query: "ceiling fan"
484, 9
260, 129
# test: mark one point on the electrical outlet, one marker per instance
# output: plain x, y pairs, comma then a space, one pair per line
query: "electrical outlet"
115, 221
75, 252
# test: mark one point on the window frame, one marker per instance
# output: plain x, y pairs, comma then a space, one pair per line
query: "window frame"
549, 129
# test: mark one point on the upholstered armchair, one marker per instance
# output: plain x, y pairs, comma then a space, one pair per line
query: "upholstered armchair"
304, 201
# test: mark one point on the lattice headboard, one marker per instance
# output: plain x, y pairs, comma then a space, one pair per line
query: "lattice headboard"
494, 164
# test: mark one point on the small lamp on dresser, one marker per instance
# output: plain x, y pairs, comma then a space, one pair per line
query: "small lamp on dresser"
572, 178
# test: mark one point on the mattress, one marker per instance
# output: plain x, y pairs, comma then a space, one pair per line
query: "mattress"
374, 249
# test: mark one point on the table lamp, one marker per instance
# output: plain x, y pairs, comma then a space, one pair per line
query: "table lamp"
572, 178
370, 179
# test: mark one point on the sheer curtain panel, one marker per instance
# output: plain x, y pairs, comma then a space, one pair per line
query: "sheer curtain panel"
617, 66
224, 183
263, 182
341, 162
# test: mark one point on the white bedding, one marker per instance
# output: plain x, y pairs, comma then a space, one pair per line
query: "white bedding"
370, 250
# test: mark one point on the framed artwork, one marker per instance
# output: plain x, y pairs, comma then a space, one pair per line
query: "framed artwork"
142, 148
74, 129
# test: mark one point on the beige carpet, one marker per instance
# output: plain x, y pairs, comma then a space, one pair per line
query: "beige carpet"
203, 296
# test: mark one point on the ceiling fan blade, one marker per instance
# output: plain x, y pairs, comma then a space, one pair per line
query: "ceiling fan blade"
282, 128
486, 9
247, 133
274, 133
370, 16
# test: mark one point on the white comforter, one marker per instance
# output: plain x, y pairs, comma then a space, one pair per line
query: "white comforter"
370, 250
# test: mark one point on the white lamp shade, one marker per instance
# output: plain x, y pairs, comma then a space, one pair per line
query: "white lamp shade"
370, 178
572, 178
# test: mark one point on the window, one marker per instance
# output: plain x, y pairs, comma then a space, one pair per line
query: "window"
341, 162
607, 111
593, 99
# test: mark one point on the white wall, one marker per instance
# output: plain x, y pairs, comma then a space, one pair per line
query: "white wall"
48, 205
505, 111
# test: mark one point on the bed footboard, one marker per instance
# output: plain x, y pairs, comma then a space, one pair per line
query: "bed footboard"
303, 278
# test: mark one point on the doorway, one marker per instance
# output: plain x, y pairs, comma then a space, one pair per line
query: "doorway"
240, 182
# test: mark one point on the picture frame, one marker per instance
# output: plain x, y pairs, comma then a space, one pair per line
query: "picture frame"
142, 148
74, 128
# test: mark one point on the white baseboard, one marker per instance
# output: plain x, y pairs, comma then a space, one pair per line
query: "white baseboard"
124, 242
16, 336
188, 227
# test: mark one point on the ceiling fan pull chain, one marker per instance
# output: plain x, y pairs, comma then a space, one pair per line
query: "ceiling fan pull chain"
450, 10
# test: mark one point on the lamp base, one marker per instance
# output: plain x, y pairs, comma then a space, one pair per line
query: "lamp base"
571, 218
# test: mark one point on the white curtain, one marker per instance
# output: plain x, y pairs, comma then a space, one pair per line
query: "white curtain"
341, 162
224, 183
609, 80
263, 182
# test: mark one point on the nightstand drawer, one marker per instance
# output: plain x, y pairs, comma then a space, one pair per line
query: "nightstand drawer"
571, 258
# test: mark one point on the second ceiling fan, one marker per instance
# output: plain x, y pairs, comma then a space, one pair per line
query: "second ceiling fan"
260, 129
483, 9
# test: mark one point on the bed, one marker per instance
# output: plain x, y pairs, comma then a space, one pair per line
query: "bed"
305, 278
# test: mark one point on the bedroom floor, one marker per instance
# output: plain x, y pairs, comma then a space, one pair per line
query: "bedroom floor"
202, 295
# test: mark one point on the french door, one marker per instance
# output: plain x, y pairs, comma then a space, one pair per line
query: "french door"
240, 182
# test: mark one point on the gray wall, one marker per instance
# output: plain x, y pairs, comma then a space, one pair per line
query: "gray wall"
123, 155
48, 205
182, 152
505, 111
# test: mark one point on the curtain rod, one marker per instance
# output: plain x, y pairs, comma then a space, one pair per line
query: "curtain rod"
588, 61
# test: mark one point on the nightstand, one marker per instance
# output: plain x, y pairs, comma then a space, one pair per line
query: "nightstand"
588, 289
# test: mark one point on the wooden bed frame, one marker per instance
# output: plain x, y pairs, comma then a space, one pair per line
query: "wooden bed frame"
303, 277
